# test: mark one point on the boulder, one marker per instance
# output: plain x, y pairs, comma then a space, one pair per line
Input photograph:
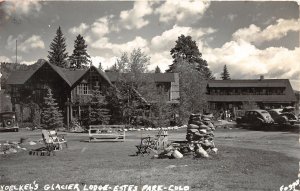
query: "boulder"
176, 154
193, 126
204, 127
200, 152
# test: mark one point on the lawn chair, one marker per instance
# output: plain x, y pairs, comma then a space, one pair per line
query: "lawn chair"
52, 141
51, 138
154, 144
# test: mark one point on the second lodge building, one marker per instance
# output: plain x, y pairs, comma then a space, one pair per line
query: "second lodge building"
240, 94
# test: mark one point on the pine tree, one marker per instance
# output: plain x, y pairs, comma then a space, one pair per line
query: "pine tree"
225, 74
186, 49
57, 54
51, 116
100, 66
80, 58
157, 70
99, 114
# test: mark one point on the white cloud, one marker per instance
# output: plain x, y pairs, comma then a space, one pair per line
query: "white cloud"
134, 18
11, 42
28, 62
161, 59
244, 61
79, 29
105, 62
34, 42
181, 11
167, 39
100, 27
138, 42
255, 34
4, 59
18, 60
21, 8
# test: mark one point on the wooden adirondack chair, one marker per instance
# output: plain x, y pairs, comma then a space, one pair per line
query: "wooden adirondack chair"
53, 142
51, 139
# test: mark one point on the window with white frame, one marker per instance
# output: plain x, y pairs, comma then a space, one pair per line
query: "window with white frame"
82, 89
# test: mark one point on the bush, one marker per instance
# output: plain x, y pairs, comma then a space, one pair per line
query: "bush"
26, 124
143, 121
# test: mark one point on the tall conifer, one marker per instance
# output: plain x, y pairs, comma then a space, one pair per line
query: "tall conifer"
225, 74
80, 58
51, 116
57, 54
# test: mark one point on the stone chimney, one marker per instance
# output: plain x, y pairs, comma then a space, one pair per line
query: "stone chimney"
261, 77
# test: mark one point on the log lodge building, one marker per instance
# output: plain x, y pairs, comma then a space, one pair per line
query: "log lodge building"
71, 89
240, 94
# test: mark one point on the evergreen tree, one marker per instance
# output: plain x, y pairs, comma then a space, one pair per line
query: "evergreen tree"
100, 66
99, 114
114, 68
115, 103
57, 54
186, 49
225, 74
80, 58
51, 116
157, 70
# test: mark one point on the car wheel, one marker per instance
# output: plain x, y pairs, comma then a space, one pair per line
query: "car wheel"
260, 124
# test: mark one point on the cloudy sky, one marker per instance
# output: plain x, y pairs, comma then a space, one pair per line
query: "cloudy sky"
251, 38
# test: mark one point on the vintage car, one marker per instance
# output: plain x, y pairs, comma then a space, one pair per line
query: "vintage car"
8, 122
255, 118
278, 116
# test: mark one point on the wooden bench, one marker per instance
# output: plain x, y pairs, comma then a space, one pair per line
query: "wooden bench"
107, 132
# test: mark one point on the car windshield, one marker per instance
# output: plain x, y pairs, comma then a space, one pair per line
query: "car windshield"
264, 113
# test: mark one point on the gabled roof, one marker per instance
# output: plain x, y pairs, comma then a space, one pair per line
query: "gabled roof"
154, 77
70, 76
21, 76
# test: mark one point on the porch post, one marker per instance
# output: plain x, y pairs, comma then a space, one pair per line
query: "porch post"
68, 113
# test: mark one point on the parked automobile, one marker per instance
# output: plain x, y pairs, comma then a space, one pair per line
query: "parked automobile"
288, 109
255, 118
278, 116
8, 122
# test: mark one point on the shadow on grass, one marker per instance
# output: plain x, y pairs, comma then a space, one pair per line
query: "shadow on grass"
101, 141
272, 128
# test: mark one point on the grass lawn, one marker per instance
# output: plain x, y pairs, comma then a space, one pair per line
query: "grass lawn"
113, 163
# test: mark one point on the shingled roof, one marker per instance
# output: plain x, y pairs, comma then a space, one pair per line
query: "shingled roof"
70, 76
288, 96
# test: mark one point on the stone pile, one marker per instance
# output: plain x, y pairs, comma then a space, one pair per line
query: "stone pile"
10, 148
199, 140
200, 135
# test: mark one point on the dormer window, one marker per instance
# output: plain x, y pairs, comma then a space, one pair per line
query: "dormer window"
83, 89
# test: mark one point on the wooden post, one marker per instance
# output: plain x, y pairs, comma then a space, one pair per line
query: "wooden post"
68, 126
21, 108
71, 112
